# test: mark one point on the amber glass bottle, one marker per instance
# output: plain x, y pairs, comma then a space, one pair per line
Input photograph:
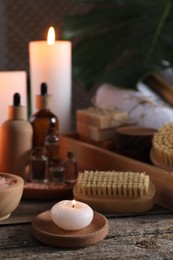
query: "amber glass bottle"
43, 118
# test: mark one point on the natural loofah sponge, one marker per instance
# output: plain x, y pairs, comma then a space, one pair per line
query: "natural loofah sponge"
163, 144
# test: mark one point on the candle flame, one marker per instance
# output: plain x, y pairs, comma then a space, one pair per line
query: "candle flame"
51, 36
73, 203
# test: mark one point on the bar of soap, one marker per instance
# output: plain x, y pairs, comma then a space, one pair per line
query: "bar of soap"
94, 133
101, 118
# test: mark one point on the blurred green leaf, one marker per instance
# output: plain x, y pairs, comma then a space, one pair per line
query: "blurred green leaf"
120, 41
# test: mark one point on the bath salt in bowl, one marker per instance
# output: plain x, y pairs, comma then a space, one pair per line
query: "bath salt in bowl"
6, 181
11, 189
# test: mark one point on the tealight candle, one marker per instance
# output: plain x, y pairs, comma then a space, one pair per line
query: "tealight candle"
71, 215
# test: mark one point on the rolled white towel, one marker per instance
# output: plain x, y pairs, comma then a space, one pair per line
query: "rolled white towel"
145, 110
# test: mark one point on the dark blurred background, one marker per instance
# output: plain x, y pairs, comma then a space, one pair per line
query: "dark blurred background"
22, 21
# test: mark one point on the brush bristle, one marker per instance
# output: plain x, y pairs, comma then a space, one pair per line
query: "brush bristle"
113, 183
163, 144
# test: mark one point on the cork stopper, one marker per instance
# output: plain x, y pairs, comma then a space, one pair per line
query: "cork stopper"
16, 111
43, 101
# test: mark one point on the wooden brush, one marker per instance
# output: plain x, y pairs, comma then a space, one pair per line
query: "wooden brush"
115, 192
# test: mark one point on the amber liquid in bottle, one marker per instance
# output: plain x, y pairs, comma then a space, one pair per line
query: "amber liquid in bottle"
41, 121
44, 118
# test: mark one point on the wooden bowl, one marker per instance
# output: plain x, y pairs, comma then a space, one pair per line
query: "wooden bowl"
134, 142
11, 189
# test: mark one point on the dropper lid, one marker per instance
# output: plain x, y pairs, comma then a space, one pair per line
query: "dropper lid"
43, 101
43, 89
16, 111
16, 99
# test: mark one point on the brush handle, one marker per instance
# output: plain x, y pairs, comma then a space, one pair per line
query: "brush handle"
118, 204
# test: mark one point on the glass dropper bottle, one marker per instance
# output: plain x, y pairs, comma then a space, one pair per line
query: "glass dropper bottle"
42, 119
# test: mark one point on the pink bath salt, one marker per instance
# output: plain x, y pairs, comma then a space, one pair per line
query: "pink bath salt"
6, 181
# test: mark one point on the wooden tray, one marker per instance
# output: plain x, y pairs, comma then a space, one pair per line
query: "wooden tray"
47, 191
46, 231
91, 157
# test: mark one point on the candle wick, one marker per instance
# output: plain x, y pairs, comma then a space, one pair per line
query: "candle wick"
73, 206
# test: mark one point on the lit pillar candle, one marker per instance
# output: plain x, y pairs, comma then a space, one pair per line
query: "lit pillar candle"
71, 215
50, 62
10, 83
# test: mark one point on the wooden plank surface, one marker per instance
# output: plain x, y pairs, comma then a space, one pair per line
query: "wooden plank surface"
26, 211
146, 236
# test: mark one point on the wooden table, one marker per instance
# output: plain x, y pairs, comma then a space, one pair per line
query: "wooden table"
146, 236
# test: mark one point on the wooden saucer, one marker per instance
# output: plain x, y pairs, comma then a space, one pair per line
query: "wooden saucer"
46, 231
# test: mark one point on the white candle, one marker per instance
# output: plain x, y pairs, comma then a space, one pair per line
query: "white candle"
10, 83
50, 62
71, 215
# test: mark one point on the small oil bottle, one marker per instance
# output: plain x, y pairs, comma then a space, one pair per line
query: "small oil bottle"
56, 170
52, 143
70, 173
39, 165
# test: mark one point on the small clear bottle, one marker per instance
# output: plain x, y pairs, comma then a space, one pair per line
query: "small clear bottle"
39, 165
70, 173
56, 170
52, 143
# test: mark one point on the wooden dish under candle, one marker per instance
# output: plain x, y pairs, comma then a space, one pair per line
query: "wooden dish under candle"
46, 231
